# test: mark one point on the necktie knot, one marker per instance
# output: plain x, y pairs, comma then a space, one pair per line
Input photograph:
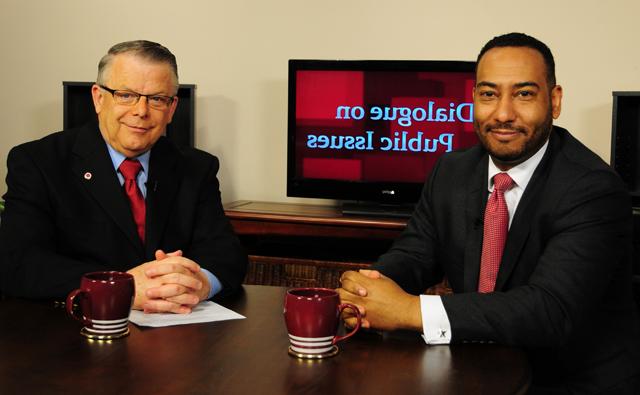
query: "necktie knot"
130, 168
502, 182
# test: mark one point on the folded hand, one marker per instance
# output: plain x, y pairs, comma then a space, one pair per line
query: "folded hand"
171, 283
382, 303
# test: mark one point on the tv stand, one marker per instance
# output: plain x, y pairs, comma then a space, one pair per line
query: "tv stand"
303, 245
377, 209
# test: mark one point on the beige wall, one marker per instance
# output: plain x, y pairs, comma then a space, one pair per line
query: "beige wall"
236, 52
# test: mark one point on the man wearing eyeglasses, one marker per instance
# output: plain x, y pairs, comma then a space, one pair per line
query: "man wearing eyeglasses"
120, 197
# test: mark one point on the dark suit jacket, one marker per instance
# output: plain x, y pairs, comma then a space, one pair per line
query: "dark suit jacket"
66, 214
563, 290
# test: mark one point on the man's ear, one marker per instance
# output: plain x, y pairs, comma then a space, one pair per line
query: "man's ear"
98, 96
173, 107
556, 101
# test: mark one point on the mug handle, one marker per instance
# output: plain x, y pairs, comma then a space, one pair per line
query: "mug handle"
341, 307
69, 306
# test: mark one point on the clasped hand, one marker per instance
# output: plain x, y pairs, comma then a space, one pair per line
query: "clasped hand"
170, 283
382, 303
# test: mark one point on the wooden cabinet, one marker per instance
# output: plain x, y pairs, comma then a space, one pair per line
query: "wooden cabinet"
297, 245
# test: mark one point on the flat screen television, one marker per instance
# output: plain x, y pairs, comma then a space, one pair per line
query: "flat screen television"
369, 132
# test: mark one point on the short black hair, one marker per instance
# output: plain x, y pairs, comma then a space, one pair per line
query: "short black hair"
523, 40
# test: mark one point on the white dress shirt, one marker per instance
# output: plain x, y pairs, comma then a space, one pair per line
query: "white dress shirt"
435, 322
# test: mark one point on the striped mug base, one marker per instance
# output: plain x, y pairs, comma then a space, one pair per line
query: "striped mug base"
96, 336
333, 351
106, 329
312, 347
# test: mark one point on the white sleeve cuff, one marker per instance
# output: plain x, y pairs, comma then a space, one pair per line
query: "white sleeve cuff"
435, 322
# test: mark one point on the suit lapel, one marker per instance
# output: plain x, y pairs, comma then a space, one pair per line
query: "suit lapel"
519, 230
474, 213
165, 176
518, 234
94, 170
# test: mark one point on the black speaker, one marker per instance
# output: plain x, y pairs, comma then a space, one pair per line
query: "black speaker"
625, 141
625, 159
636, 253
78, 109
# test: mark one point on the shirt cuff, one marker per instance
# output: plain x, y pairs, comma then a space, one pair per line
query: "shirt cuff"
216, 285
435, 322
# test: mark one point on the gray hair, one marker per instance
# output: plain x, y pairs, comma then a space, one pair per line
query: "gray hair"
147, 50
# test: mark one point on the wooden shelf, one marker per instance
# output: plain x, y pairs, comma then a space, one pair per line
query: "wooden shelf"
307, 245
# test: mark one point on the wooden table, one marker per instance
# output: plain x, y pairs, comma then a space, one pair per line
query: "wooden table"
42, 352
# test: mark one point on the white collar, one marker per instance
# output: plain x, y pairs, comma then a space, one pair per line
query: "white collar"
520, 174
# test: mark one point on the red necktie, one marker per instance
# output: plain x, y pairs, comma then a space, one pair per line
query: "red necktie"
130, 169
496, 227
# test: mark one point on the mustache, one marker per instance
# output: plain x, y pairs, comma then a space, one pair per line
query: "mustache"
505, 126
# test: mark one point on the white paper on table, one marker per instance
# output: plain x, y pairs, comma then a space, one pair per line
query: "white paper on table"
203, 312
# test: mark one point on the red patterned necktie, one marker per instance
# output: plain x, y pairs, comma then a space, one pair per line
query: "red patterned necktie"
130, 169
496, 227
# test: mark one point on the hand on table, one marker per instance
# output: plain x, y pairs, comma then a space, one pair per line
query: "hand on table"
382, 303
171, 283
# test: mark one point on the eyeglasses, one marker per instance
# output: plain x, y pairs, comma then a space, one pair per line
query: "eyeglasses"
129, 98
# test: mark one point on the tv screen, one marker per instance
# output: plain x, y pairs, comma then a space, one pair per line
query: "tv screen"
372, 130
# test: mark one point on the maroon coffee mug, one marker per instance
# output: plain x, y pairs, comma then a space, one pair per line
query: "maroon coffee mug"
312, 316
104, 300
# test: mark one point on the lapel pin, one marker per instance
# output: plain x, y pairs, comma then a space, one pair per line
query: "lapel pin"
87, 176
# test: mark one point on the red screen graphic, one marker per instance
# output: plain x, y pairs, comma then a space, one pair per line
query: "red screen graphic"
379, 126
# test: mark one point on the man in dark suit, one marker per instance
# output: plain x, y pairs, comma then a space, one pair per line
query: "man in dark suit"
561, 285
72, 207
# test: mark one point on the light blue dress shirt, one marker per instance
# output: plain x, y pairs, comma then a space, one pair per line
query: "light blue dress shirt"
117, 158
